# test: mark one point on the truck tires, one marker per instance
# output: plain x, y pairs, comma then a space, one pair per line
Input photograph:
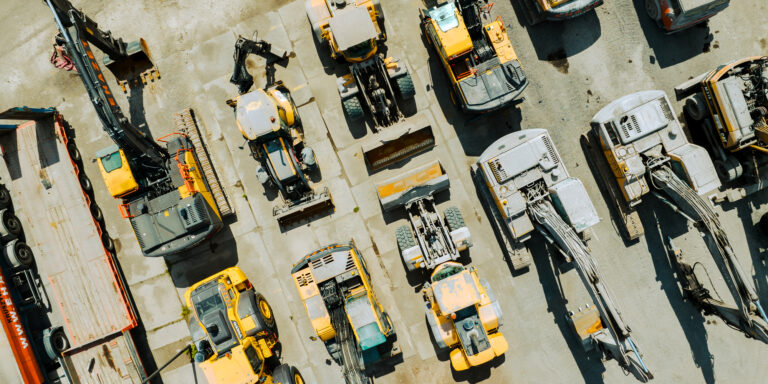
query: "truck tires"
696, 107
652, 8
85, 182
18, 255
405, 86
5, 197
10, 226
404, 238
287, 374
109, 245
74, 153
454, 219
55, 342
96, 212
352, 108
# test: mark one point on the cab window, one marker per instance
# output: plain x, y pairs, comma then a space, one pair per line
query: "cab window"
446, 272
111, 161
253, 358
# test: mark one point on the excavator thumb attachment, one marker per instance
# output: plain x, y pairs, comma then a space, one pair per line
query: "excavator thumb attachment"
136, 64
396, 143
421, 182
313, 204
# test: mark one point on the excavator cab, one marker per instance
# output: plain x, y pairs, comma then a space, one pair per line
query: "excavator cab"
116, 172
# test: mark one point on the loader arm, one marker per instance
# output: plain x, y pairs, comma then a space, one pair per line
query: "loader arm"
244, 47
78, 31
617, 341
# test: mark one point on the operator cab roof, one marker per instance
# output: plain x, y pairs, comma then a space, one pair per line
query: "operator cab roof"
456, 292
351, 26
256, 114
453, 34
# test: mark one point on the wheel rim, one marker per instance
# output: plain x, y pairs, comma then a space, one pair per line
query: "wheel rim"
298, 379
12, 224
24, 254
266, 311
651, 9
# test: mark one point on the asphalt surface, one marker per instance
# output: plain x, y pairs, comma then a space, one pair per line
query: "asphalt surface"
575, 68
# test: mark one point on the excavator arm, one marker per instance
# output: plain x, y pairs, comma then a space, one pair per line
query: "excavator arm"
79, 32
244, 47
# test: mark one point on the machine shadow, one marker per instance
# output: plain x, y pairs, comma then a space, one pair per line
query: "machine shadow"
218, 253
136, 109
548, 37
673, 49
589, 364
690, 318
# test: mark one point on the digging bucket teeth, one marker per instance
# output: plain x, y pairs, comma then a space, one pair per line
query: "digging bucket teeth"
317, 203
421, 182
136, 64
397, 143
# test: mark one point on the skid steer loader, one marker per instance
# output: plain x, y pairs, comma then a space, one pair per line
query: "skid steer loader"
268, 118
730, 106
336, 289
234, 332
352, 30
436, 240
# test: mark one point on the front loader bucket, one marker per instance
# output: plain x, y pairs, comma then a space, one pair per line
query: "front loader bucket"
315, 204
136, 62
397, 143
421, 182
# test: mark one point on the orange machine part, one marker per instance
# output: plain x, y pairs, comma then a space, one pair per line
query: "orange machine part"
21, 345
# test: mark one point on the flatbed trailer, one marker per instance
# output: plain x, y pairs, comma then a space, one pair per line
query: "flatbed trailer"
79, 282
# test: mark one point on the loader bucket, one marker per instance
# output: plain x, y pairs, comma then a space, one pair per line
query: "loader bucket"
421, 182
397, 144
316, 204
136, 61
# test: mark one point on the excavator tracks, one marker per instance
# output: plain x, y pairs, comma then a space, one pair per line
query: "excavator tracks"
349, 355
186, 123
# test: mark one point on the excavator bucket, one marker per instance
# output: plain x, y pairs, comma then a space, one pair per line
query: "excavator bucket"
315, 204
137, 64
396, 143
423, 181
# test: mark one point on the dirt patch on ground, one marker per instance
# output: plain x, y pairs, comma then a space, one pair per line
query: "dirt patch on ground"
559, 60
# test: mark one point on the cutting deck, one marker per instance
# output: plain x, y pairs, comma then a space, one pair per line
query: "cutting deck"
80, 276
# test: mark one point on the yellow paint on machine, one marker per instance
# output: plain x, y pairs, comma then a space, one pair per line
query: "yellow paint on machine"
198, 181
497, 34
120, 181
420, 178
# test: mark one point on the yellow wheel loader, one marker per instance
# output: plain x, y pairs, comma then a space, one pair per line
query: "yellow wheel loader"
335, 286
234, 332
352, 30
269, 119
476, 54
730, 106
463, 312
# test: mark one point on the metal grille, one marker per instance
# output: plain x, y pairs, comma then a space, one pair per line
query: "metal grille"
665, 108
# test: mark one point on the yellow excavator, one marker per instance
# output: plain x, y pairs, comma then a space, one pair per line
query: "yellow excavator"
352, 30
234, 332
476, 54
729, 105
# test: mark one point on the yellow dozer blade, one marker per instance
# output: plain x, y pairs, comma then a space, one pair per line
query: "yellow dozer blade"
137, 64
421, 182
396, 143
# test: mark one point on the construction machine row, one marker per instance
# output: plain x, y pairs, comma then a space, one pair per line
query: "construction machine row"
170, 192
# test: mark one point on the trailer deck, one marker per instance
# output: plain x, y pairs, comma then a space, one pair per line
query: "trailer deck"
81, 279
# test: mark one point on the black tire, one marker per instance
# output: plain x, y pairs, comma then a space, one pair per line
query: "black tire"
11, 225
454, 218
265, 310
352, 108
55, 343
764, 224
5, 197
696, 107
74, 153
287, 374
728, 170
652, 8
405, 86
109, 245
18, 254
404, 237
96, 212
85, 182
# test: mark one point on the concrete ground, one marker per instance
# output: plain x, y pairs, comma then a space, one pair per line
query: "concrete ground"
575, 68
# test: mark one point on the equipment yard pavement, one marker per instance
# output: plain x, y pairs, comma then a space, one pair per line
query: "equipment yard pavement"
575, 68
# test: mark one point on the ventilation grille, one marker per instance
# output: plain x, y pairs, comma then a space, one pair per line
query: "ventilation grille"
551, 150
194, 213
139, 237
630, 127
665, 109
305, 279
350, 262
